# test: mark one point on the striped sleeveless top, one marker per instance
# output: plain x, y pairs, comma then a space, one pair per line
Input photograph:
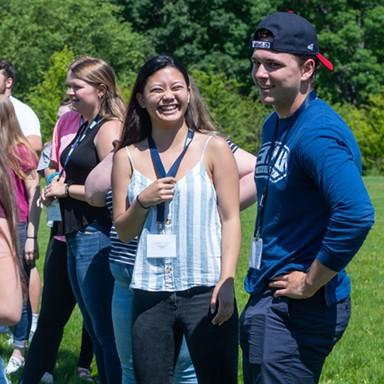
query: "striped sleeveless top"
120, 252
195, 222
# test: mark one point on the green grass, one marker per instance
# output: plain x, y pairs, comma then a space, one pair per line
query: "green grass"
356, 359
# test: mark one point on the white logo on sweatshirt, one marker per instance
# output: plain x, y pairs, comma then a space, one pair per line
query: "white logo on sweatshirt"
265, 160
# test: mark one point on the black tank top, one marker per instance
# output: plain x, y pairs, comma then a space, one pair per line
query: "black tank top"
75, 213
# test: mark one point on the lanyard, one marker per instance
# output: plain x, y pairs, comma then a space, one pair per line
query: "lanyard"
159, 168
271, 165
81, 134
274, 159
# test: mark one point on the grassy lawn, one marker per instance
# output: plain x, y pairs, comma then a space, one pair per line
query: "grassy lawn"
356, 359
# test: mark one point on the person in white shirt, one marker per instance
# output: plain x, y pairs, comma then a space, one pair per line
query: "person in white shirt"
29, 123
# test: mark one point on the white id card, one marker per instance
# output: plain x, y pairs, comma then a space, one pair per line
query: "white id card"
161, 246
53, 211
256, 252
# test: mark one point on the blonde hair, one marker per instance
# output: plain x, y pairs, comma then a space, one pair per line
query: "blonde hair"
11, 137
96, 72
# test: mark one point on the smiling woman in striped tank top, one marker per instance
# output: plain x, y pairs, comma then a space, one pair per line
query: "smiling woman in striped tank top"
176, 186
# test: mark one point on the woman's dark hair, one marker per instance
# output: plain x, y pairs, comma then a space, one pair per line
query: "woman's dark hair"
137, 124
200, 112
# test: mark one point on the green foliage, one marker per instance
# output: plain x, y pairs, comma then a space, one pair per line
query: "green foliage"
31, 32
209, 36
237, 116
46, 97
215, 34
350, 35
203, 34
367, 123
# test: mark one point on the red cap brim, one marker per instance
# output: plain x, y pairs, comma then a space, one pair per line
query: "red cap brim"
323, 60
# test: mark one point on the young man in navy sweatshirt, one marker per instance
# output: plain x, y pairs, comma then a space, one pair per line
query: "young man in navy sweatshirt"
313, 213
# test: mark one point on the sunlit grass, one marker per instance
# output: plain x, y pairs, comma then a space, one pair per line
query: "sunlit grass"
356, 359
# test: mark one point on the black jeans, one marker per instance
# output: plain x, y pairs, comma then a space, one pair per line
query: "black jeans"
57, 305
159, 321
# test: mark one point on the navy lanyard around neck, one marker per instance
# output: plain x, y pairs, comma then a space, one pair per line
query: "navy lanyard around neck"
85, 127
159, 167
274, 159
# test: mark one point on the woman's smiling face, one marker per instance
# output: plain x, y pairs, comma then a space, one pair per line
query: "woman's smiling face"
85, 98
165, 96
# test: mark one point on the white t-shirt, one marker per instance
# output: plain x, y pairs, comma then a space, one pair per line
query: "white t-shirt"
29, 123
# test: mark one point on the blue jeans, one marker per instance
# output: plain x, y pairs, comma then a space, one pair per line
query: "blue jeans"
21, 329
3, 379
286, 341
57, 304
92, 285
122, 320
122, 317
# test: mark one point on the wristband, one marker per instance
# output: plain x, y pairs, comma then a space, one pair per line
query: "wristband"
31, 237
140, 203
66, 191
52, 176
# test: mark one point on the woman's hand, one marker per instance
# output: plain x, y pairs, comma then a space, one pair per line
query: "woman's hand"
31, 250
158, 192
56, 189
44, 199
223, 298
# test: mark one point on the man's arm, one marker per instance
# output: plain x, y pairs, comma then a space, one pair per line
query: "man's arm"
331, 165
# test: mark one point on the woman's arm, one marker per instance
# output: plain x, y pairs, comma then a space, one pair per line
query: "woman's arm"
109, 132
128, 219
10, 282
33, 192
246, 163
52, 168
98, 182
226, 181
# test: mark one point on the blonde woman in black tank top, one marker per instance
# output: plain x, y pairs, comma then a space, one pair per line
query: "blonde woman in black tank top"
91, 86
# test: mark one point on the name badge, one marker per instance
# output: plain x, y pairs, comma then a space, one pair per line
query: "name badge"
256, 252
161, 246
53, 211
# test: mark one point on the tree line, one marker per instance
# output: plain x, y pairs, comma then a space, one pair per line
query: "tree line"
211, 37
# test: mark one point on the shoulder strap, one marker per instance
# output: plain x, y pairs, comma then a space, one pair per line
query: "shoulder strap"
205, 146
130, 157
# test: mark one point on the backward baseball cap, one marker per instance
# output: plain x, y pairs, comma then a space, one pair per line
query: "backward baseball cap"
291, 33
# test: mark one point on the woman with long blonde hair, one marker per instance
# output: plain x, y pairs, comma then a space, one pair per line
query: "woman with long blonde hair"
92, 89
21, 163
10, 268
